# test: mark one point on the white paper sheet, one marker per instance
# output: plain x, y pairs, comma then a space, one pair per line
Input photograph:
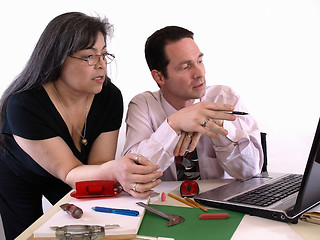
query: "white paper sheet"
128, 224
253, 228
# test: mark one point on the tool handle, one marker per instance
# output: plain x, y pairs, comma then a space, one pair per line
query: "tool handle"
72, 209
155, 211
127, 212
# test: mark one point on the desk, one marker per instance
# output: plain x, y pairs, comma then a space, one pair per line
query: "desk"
250, 227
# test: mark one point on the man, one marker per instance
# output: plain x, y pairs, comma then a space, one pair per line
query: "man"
185, 115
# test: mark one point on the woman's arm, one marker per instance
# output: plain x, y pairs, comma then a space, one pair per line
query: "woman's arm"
104, 148
57, 158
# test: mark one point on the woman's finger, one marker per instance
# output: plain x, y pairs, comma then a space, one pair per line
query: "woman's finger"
141, 195
143, 187
141, 160
141, 190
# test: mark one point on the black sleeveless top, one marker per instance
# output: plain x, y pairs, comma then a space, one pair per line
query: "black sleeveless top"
32, 115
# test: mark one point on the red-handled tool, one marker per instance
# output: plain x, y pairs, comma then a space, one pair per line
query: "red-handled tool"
72, 210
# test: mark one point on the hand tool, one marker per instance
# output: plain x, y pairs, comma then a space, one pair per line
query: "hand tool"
173, 219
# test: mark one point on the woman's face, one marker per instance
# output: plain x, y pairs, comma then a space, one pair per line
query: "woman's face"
79, 76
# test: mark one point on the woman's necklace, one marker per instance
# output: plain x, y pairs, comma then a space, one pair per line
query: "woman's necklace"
83, 140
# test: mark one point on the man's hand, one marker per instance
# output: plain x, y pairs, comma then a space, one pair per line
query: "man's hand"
187, 141
204, 118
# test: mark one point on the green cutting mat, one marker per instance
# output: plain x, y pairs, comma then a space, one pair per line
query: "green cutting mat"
192, 228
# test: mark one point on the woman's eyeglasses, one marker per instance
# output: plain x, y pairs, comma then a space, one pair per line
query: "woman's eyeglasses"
92, 60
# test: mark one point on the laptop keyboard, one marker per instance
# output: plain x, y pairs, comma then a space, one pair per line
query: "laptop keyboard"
270, 193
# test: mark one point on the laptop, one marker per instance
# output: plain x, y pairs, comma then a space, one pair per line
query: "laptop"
276, 196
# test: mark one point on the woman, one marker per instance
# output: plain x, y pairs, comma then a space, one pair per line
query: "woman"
60, 121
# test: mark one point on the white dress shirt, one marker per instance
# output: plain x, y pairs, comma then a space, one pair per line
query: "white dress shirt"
238, 155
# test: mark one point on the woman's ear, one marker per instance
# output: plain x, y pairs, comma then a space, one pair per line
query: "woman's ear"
158, 77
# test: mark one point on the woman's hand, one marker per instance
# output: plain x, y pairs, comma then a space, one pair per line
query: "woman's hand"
137, 175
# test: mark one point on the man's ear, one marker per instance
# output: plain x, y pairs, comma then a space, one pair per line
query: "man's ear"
158, 77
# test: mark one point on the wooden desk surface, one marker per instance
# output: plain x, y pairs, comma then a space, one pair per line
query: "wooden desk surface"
302, 230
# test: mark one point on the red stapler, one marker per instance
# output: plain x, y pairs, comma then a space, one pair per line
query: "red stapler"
96, 188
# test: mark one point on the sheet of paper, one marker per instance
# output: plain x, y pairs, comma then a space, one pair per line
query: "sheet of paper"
253, 228
315, 209
312, 216
128, 224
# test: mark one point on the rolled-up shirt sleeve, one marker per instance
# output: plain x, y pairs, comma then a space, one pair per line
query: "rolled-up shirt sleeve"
239, 153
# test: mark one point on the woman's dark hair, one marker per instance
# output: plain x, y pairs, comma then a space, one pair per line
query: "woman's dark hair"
155, 46
63, 36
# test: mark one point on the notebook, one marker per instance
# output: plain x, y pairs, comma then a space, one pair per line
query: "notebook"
294, 194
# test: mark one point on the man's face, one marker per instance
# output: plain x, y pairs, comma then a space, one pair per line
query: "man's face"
185, 71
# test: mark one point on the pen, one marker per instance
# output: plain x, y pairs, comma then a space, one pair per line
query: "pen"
126, 212
197, 204
235, 112
182, 200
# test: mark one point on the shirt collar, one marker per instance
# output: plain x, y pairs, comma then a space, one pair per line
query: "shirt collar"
166, 106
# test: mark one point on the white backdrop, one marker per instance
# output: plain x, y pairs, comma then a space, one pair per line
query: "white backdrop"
268, 51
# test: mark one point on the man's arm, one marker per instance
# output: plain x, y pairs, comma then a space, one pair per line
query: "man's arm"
148, 132
240, 152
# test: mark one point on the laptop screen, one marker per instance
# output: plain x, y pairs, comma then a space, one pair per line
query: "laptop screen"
309, 194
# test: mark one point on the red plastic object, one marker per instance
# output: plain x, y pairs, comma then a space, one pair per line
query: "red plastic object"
97, 188
213, 215
163, 197
189, 188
